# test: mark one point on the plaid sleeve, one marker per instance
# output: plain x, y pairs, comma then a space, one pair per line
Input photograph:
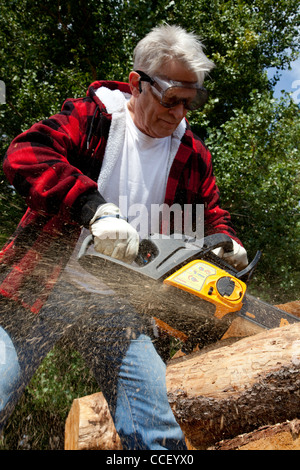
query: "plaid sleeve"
43, 163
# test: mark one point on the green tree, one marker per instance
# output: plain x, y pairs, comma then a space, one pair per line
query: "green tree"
54, 50
243, 38
257, 162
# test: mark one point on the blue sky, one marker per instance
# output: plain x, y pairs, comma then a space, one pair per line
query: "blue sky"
289, 81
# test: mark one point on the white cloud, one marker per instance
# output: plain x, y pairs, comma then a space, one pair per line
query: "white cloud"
289, 81
295, 72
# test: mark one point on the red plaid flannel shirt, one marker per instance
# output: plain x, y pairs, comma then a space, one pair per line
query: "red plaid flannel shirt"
55, 166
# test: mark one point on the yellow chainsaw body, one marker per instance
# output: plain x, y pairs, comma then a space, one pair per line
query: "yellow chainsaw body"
210, 283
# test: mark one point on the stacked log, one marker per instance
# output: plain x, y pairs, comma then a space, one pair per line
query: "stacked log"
89, 425
229, 396
282, 436
238, 388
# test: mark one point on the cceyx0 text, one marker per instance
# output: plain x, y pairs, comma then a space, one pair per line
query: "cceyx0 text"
155, 459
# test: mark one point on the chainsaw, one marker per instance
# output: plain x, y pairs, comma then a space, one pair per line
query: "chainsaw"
191, 293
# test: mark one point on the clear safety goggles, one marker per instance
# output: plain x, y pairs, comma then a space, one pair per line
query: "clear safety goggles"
171, 93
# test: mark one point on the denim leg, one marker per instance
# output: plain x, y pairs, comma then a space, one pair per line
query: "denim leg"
115, 341
21, 353
25, 340
143, 417
116, 344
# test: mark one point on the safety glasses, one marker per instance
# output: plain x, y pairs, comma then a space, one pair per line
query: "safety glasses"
171, 93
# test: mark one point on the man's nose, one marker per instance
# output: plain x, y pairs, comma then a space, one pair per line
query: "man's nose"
178, 111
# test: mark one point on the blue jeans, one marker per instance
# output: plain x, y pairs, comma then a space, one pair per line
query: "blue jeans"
151, 423
116, 343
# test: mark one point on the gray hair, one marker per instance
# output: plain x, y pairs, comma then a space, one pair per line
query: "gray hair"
169, 42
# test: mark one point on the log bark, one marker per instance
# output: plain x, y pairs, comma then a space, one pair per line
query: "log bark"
238, 388
89, 425
247, 370
282, 436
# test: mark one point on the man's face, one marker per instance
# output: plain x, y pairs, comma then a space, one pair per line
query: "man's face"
148, 114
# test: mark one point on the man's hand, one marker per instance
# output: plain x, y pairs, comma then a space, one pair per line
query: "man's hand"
113, 236
237, 258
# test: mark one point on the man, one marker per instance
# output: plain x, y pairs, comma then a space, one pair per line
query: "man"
121, 142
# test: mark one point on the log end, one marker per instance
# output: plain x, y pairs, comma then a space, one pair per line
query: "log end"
89, 425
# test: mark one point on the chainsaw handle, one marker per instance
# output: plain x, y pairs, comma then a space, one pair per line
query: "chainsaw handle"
180, 247
148, 245
159, 255
217, 240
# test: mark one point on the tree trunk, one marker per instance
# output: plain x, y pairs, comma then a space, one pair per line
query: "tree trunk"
238, 388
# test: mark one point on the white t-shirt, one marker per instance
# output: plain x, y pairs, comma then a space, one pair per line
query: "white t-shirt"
139, 177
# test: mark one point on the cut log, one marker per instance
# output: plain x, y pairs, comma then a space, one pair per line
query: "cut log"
238, 388
282, 436
291, 307
89, 425
243, 372
241, 328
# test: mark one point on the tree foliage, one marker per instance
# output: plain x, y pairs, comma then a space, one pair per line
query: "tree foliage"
54, 50
256, 156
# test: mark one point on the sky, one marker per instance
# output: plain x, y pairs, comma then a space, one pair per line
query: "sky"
289, 81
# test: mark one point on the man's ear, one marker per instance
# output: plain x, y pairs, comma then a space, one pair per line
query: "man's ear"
134, 81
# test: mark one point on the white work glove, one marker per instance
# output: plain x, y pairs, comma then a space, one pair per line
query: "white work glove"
237, 258
113, 236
